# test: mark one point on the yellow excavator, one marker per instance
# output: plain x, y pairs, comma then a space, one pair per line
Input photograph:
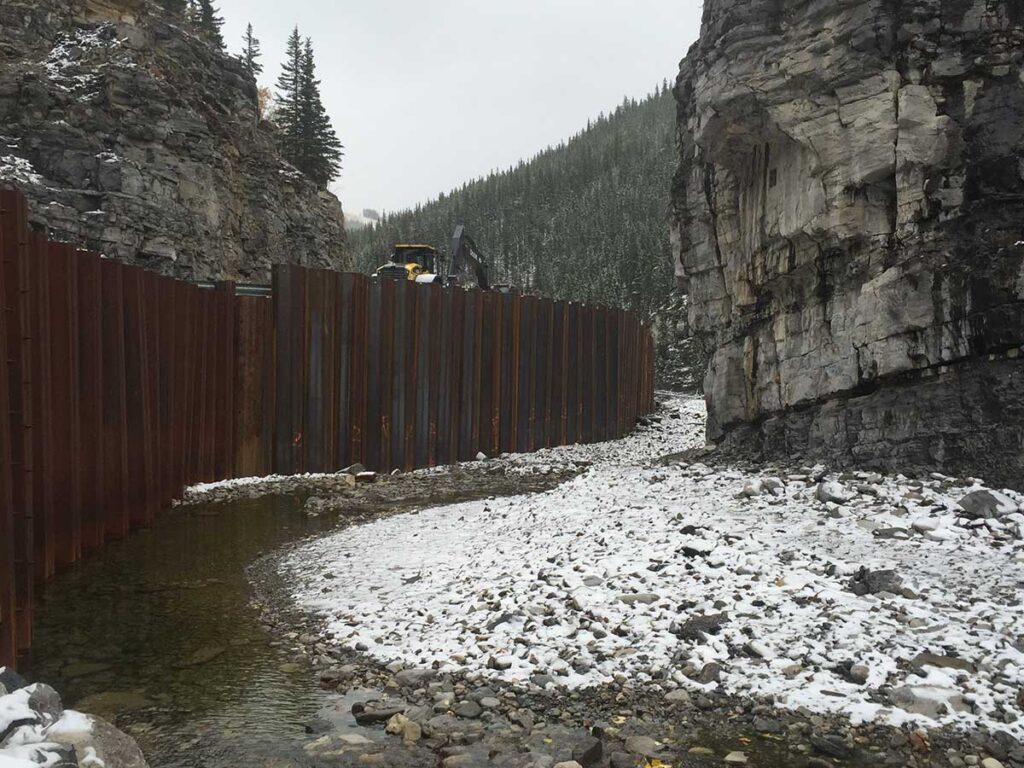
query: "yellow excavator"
423, 263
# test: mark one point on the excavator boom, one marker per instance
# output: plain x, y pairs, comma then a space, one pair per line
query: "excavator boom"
465, 253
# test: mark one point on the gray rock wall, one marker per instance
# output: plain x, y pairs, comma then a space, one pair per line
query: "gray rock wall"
136, 139
849, 214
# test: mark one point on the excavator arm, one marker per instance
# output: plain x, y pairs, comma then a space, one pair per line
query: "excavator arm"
465, 253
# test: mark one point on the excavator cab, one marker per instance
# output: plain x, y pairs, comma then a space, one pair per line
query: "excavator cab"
415, 262
421, 263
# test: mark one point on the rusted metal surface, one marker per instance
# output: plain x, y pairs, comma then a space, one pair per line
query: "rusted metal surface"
64, 404
119, 388
17, 303
8, 625
140, 432
40, 396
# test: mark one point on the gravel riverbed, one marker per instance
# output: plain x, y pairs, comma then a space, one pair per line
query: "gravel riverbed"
638, 605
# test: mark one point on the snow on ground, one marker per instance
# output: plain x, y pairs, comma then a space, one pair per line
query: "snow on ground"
243, 482
29, 724
696, 577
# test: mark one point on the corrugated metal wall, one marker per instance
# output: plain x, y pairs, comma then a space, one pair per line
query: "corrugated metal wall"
119, 388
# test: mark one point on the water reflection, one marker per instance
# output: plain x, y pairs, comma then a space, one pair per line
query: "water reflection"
158, 634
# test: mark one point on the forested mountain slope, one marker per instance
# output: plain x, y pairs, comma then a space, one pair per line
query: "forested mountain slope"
586, 220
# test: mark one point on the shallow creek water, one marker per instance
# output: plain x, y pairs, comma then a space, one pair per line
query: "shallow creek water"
158, 634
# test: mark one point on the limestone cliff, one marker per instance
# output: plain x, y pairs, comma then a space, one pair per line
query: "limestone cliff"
849, 216
136, 139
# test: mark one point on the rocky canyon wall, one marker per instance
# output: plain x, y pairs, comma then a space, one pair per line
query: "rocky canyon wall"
849, 219
134, 138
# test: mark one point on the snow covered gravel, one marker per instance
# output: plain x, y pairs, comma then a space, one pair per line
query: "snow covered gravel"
29, 725
700, 578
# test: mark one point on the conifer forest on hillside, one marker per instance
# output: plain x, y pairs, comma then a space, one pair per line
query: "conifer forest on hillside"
586, 220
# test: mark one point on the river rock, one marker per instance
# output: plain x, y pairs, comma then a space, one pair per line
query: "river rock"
695, 627
867, 582
468, 709
410, 730
985, 504
11, 681
929, 701
589, 753
644, 598
114, 748
833, 492
413, 678
644, 746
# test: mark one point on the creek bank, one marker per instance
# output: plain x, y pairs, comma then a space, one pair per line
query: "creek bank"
725, 693
35, 730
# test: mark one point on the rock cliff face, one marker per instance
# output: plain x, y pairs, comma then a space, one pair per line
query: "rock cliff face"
849, 215
136, 139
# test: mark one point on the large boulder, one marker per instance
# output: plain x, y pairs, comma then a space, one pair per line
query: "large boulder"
36, 729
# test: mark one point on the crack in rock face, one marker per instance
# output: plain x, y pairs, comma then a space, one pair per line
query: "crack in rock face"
847, 211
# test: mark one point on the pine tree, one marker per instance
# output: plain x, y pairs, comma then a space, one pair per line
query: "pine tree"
252, 53
286, 114
321, 150
307, 139
210, 22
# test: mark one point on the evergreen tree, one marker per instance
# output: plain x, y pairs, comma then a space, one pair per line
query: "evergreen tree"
307, 139
252, 53
321, 150
209, 23
587, 220
286, 114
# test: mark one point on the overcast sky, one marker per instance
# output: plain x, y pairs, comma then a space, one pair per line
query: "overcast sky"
427, 94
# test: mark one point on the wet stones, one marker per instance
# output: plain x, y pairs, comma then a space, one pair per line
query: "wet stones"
643, 746
589, 753
413, 678
470, 710
400, 725
372, 713
830, 745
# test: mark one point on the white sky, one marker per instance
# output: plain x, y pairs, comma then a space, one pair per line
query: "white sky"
427, 95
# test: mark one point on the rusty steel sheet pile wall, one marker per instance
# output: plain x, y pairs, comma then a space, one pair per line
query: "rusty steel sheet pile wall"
119, 388
398, 375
